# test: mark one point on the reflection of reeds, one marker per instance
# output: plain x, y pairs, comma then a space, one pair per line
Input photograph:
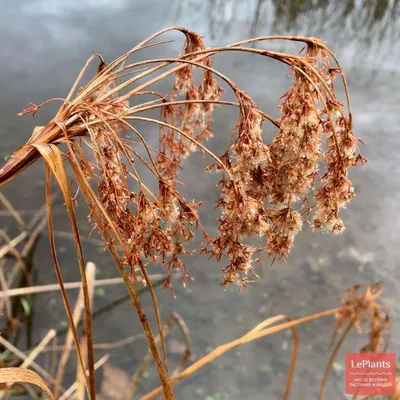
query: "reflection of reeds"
292, 14
369, 27
261, 184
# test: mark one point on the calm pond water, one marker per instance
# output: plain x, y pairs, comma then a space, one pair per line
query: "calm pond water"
43, 45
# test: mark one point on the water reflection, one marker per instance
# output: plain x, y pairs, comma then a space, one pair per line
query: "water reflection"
358, 30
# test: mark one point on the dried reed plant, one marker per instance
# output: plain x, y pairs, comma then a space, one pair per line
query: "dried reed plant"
267, 190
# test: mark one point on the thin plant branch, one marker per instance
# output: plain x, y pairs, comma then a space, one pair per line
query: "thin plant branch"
71, 390
68, 286
13, 212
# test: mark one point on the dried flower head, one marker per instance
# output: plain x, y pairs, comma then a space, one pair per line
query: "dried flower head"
262, 185
359, 308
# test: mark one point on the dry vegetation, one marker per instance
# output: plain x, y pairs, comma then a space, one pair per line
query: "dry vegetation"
267, 190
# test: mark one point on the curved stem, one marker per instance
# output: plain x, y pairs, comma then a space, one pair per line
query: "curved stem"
332, 359
220, 350
210, 153
140, 108
59, 276
293, 360
99, 211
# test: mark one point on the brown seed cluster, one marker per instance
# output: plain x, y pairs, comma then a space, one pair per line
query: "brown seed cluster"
244, 200
151, 228
266, 181
194, 117
261, 183
360, 308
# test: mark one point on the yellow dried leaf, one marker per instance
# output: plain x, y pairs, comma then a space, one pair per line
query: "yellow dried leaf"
24, 375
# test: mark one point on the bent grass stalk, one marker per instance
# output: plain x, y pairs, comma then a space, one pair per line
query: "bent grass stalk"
261, 330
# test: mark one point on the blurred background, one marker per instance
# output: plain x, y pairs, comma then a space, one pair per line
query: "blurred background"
44, 43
